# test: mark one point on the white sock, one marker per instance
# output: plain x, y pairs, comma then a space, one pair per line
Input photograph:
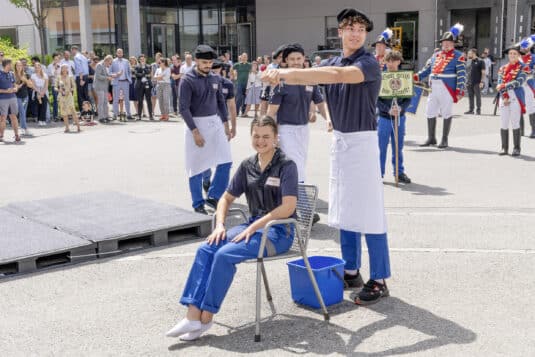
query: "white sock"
184, 326
352, 272
190, 336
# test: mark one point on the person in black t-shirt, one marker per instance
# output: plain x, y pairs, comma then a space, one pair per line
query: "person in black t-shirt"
474, 83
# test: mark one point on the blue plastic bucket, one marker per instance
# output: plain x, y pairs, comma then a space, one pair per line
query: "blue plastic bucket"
330, 284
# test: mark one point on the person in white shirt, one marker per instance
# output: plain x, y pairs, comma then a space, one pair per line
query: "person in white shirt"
53, 71
254, 89
187, 66
67, 60
40, 92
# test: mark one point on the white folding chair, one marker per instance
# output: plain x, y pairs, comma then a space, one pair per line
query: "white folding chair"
306, 206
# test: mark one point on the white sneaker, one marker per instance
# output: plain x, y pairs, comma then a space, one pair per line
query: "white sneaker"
184, 326
191, 336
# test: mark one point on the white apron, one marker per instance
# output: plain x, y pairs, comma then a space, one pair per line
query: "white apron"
355, 186
293, 141
216, 149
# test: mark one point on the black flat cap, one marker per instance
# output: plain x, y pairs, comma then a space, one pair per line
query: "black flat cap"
279, 50
294, 47
205, 52
217, 64
345, 13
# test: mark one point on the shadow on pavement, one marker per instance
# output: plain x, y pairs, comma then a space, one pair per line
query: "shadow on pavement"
420, 189
303, 335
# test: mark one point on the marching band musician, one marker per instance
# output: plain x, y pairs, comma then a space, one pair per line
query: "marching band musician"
446, 70
511, 78
382, 45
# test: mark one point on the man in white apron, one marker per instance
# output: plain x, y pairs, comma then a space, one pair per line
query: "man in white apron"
206, 133
356, 202
290, 105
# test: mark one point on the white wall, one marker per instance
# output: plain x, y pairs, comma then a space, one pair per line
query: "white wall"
11, 16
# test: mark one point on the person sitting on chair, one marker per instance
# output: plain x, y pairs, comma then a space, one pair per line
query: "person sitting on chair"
270, 183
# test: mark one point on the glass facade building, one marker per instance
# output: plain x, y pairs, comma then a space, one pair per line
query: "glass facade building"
167, 26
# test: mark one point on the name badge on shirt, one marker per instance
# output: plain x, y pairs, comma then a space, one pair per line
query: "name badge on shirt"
215, 86
309, 88
273, 181
225, 91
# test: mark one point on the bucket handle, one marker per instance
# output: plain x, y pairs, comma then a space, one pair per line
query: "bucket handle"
340, 277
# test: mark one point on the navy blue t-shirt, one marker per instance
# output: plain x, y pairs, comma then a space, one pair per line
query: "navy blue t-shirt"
227, 88
7, 79
352, 106
201, 96
294, 103
264, 189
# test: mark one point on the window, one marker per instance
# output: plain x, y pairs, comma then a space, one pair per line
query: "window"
332, 41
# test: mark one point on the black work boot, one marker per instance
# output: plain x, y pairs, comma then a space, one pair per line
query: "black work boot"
532, 123
521, 125
431, 129
445, 132
516, 142
504, 133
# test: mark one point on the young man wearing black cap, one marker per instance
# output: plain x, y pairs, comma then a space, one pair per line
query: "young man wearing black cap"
265, 96
290, 104
227, 88
202, 105
447, 72
356, 202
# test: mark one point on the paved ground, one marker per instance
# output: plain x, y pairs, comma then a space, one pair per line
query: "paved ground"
461, 238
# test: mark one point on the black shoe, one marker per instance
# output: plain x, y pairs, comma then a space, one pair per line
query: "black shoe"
431, 128
212, 202
371, 293
206, 186
353, 281
532, 124
469, 112
151, 118
478, 112
103, 121
504, 134
516, 142
445, 132
130, 117
315, 219
404, 178
200, 210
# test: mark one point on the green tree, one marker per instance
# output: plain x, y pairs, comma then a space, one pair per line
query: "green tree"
38, 10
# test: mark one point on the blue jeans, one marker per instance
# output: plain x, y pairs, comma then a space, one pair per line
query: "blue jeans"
385, 130
214, 267
54, 103
23, 106
377, 250
217, 188
240, 97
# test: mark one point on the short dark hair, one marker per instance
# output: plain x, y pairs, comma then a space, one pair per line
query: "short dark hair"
6, 62
393, 56
265, 120
36, 59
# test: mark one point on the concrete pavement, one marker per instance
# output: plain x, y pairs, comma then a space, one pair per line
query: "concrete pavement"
461, 238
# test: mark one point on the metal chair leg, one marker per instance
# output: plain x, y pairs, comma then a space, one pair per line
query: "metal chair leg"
266, 284
314, 283
259, 266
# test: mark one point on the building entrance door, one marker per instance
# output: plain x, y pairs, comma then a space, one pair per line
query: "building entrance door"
245, 35
163, 39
